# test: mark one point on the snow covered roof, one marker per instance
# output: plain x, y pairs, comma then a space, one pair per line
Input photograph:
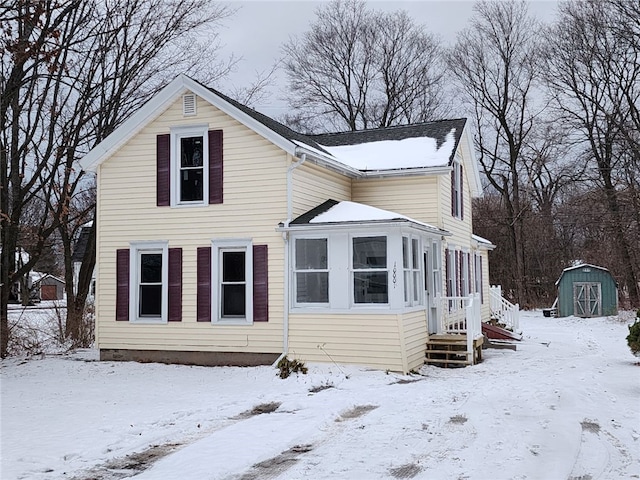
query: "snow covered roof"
333, 212
483, 241
424, 145
410, 149
579, 266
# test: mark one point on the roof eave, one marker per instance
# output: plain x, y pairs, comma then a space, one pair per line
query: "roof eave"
408, 172
362, 223
158, 104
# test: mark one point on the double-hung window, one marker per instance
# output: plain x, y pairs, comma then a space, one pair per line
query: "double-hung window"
369, 270
232, 281
311, 271
412, 273
149, 288
190, 164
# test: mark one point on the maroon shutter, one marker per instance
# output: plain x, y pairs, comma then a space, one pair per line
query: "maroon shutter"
453, 191
260, 284
203, 291
215, 166
461, 194
163, 167
122, 284
175, 285
446, 272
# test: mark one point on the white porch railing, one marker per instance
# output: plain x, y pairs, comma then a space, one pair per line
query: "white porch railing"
460, 315
503, 310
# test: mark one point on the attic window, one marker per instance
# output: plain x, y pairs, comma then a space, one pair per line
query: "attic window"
189, 104
586, 270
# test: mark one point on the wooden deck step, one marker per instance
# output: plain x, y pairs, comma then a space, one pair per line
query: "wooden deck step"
448, 350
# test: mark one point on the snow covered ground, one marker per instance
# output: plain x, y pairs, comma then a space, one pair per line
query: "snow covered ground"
564, 406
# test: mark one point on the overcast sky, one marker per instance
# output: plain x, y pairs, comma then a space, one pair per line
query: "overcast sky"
259, 28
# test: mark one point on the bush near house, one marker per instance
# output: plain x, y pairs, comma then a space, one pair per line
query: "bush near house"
633, 339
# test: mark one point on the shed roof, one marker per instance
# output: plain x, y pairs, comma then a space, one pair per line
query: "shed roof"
579, 266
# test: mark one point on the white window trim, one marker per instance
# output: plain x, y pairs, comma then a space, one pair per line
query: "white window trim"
176, 134
217, 246
464, 274
135, 250
413, 272
294, 280
388, 269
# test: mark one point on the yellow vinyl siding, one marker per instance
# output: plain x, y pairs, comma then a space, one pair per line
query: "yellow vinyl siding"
361, 339
313, 185
415, 197
486, 306
254, 203
415, 335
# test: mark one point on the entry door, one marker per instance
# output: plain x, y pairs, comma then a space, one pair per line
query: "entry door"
587, 299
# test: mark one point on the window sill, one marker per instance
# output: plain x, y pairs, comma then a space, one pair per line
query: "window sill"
231, 323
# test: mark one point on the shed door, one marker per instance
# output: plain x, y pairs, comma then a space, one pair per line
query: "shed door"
48, 292
587, 299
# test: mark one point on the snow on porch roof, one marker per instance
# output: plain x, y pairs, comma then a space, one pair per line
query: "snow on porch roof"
333, 212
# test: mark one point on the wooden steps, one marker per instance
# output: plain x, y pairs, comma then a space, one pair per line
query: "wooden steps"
450, 351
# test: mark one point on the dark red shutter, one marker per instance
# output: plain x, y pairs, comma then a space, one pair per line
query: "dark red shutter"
203, 292
175, 285
260, 284
453, 191
461, 194
163, 168
446, 272
215, 166
122, 285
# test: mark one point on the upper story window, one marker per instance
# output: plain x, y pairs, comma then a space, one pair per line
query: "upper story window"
189, 166
369, 270
191, 169
311, 271
457, 199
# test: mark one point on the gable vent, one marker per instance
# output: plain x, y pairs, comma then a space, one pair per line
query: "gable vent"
188, 104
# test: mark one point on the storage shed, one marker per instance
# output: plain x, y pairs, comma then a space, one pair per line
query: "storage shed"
587, 291
51, 288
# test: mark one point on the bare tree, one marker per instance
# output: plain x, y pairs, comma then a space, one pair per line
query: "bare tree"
356, 68
494, 62
71, 72
593, 68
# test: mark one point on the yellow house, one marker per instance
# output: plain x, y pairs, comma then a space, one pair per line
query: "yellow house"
226, 238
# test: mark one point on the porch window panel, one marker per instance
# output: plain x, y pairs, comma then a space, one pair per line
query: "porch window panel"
311, 270
370, 275
312, 287
371, 287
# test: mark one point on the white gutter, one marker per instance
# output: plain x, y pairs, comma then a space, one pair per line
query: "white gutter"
285, 237
363, 223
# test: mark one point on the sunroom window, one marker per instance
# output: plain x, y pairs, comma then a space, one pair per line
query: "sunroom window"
311, 270
369, 270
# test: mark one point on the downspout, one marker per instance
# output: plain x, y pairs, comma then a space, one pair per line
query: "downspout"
285, 237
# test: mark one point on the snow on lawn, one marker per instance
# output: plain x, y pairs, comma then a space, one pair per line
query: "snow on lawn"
563, 406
